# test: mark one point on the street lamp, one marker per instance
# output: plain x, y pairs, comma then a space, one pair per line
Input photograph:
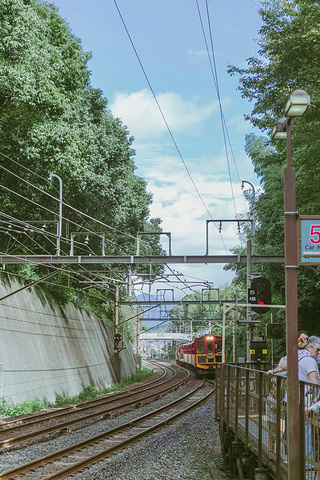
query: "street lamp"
59, 226
249, 267
295, 107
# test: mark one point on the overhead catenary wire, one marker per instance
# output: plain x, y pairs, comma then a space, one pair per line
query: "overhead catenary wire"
66, 204
81, 274
23, 223
26, 224
74, 209
63, 203
216, 82
163, 116
56, 214
71, 221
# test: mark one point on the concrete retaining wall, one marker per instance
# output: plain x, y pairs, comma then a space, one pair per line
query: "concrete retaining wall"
47, 349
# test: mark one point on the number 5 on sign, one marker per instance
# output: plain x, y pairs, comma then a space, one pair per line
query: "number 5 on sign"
315, 234
309, 241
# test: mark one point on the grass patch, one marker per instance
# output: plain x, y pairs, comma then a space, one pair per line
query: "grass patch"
11, 409
219, 463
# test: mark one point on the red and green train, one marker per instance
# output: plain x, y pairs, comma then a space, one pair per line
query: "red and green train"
202, 354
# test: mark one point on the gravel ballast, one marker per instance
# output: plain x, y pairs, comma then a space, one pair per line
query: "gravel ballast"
175, 452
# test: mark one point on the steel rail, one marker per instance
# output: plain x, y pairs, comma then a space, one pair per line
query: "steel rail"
108, 451
4, 444
19, 424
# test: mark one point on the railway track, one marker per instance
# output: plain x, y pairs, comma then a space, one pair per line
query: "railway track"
16, 423
76, 457
16, 432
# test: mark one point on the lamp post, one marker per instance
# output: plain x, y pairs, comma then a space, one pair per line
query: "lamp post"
249, 268
59, 226
295, 107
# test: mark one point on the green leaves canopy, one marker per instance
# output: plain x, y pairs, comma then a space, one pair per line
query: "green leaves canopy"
53, 121
289, 52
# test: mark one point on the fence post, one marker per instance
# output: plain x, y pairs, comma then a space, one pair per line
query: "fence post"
278, 425
236, 413
260, 405
302, 431
247, 410
216, 394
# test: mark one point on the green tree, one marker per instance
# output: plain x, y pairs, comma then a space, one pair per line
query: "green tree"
289, 47
53, 121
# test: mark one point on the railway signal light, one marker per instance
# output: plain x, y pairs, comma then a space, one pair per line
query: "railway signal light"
260, 294
117, 339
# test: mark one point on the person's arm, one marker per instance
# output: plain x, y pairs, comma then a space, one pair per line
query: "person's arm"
313, 377
278, 369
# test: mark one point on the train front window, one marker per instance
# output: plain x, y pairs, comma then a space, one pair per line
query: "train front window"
210, 346
219, 346
201, 347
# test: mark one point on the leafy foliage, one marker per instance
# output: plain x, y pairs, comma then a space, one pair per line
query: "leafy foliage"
289, 47
53, 121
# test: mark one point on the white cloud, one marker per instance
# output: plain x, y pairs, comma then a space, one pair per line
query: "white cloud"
141, 114
175, 199
197, 53
184, 215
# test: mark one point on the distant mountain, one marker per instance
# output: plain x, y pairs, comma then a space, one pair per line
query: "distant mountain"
157, 312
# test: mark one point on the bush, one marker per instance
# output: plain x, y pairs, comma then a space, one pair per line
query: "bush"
10, 409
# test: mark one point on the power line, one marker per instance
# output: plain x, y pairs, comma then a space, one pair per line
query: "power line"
216, 82
160, 109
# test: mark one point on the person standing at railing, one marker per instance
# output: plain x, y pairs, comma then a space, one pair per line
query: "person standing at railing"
281, 369
308, 372
308, 361
282, 365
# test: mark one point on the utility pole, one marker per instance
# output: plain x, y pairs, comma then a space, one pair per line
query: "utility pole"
295, 107
249, 264
234, 336
117, 339
129, 284
116, 323
249, 311
138, 356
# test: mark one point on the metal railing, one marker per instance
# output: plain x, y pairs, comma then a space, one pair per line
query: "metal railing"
252, 411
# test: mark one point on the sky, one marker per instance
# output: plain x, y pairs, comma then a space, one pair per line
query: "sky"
180, 149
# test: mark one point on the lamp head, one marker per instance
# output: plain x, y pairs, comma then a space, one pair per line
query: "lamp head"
297, 104
279, 131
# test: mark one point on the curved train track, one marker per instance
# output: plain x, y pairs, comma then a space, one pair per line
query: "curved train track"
77, 457
15, 432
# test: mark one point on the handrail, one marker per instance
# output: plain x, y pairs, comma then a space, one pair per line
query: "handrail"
252, 411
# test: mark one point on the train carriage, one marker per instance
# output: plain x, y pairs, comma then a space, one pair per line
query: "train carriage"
202, 354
